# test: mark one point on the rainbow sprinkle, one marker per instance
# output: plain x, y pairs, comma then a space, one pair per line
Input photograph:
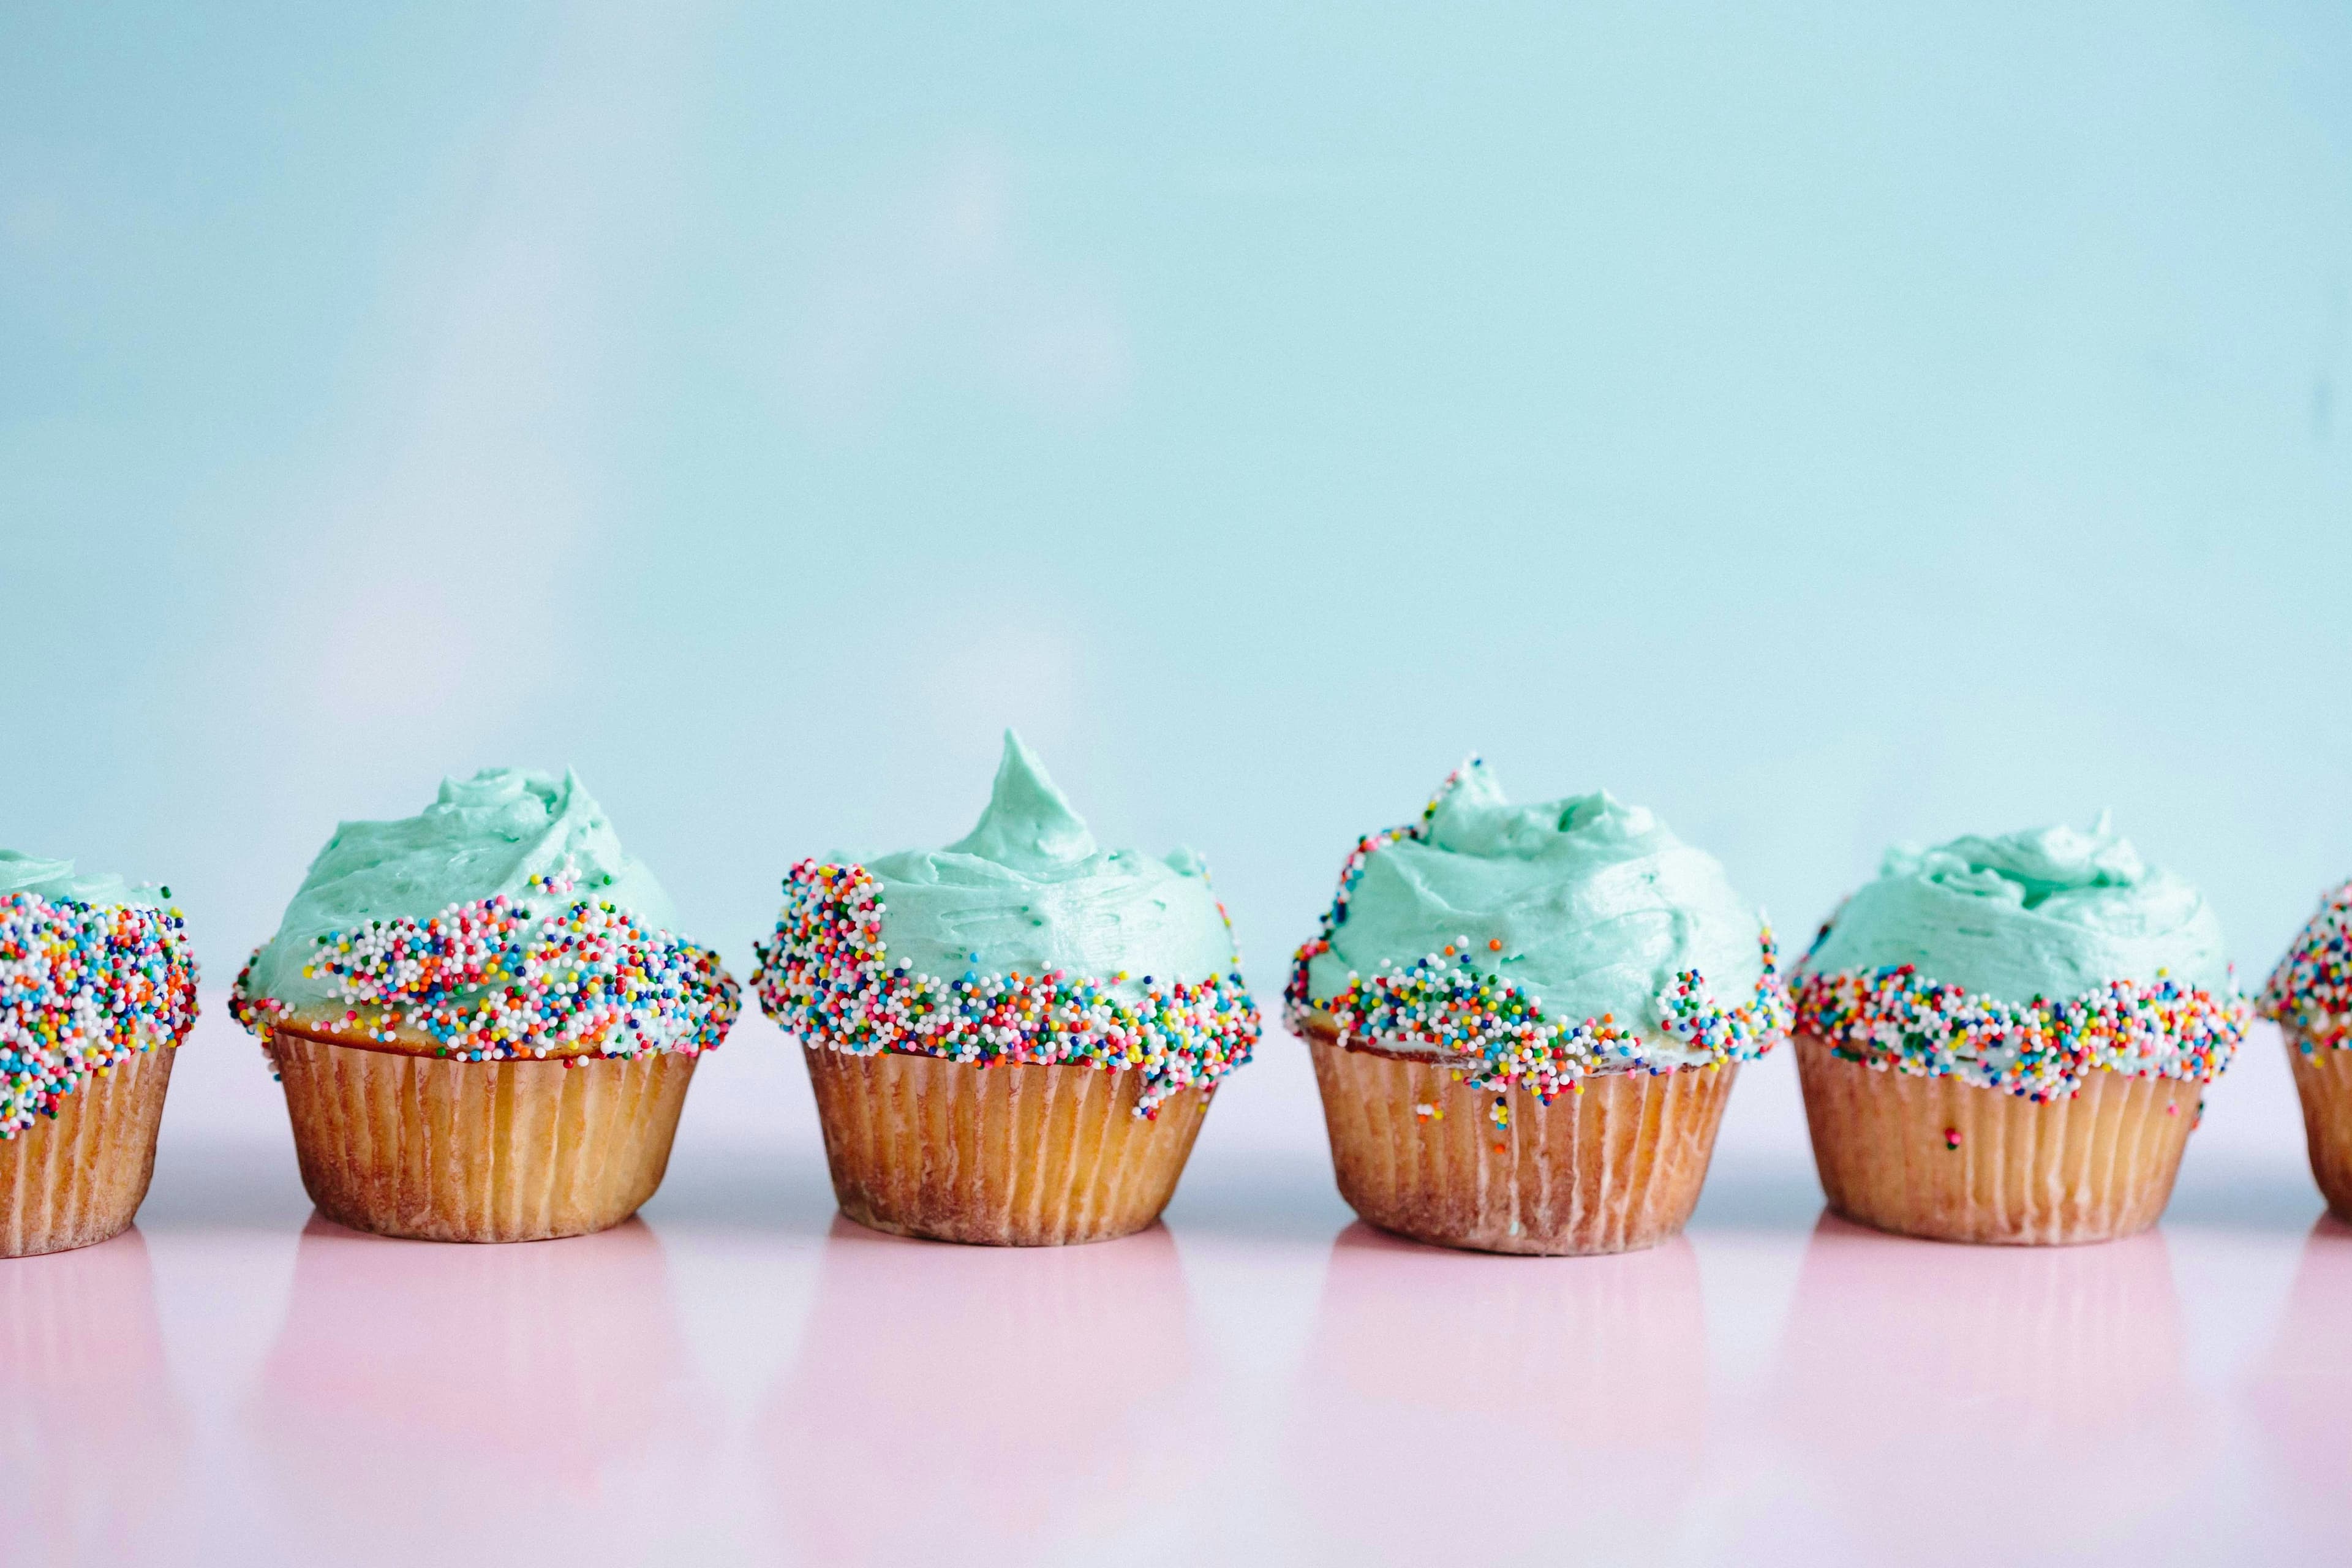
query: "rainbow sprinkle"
2310, 992
492, 982
83, 989
1494, 1027
827, 979
1891, 1017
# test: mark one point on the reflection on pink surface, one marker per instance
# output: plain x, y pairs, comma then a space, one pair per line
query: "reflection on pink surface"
92, 1441
1008, 1399
514, 1385
2301, 1393
1957, 1405
1453, 1400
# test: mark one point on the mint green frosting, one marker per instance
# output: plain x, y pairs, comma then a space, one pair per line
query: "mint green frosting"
56, 880
483, 837
2053, 913
1597, 906
1027, 889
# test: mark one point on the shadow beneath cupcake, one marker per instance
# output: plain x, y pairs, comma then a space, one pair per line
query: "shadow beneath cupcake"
2226, 1193
745, 1189
1257, 1194
225, 1186
93, 1440
955, 1403
538, 1394
1782, 1196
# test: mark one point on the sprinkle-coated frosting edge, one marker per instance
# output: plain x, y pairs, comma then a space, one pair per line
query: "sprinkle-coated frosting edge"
1894, 1018
826, 977
491, 981
83, 989
2310, 992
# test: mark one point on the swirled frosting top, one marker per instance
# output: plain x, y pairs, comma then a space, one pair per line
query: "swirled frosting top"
2052, 912
1590, 906
56, 881
504, 833
1028, 891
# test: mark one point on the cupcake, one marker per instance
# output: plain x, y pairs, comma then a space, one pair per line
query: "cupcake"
1014, 1039
1526, 1020
483, 1024
2309, 996
97, 988
2009, 1039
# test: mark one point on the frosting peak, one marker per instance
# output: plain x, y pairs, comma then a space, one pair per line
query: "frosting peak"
534, 796
1476, 817
1029, 824
1028, 891
2026, 869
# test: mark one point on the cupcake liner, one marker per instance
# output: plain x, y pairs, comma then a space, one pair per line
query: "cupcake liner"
1615, 1168
448, 1151
2323, 1080
1935, 1157
1013, 1154
79, 1179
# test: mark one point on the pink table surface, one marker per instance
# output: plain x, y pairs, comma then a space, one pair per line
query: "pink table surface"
739, 1375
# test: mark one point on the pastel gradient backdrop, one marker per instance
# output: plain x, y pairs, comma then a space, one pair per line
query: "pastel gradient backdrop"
1825, 429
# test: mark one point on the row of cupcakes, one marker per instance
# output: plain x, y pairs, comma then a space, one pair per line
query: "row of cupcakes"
1524, 1021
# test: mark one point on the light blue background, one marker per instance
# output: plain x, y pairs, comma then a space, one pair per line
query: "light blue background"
1826, 429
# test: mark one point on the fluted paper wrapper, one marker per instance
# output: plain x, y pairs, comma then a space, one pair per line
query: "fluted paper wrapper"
2324, 1081
1935, 1157
1015, 1154
450, 1150
79, 1179
1615, 1168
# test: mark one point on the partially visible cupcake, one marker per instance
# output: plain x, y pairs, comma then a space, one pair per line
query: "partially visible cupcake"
1525, 1021
2009, 1039
482, 1019
1014, 1039
2309, 996
98, 987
